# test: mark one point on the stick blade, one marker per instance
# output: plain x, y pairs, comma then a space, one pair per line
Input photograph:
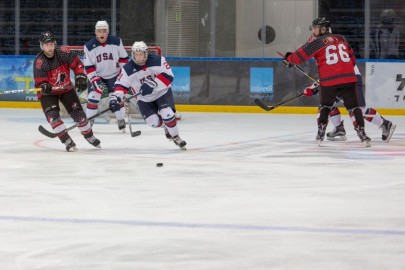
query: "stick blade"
261, 104
136, 133
46, 132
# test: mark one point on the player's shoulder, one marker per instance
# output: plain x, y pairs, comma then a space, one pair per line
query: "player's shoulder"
63, 52
39, 55
92, 44
39, 60
113, 40
131, 68
332, 38
153, 60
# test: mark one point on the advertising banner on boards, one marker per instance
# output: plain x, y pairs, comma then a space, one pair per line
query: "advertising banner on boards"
385, 85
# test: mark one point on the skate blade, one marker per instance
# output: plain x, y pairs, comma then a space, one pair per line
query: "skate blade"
319, 142
182, 147
336, 139
391, 133
366, 143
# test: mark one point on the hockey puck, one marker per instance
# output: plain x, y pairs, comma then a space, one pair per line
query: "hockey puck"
159, 164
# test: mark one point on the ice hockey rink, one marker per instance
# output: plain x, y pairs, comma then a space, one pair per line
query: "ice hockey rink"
253, 191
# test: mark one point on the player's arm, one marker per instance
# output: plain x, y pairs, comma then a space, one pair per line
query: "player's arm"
122, 54
162, 80
351, 55
89, 62
165, 77
123, 83
121, 88
305, 52
39, 73
41, 79
77, 66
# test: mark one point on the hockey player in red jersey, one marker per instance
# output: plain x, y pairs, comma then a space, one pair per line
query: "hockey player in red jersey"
151, 75
371, 115
52, 68
335, 61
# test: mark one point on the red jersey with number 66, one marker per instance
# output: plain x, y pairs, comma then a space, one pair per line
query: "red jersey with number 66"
334, 58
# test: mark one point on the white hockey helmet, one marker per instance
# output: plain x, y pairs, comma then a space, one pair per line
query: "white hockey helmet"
139, 46
102, 25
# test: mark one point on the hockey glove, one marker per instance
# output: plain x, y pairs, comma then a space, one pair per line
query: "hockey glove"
46, 88
115, 103
99, 85
80, 82
148, 86
311, 90
287, 64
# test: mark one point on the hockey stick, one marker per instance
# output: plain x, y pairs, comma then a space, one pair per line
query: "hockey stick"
54, 135
133, 133
34, 90
299, 68
265, 107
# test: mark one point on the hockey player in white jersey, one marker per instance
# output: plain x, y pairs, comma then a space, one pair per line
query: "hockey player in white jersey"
151, 75
104, 55
370, 114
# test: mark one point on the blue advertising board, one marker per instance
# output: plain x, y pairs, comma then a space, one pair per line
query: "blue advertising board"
261, 83
181, 82
15, 74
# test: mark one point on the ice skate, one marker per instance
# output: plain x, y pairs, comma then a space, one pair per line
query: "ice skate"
121, 125
167, 134
70, 145
387, 130
362, 135
179, 142
321, 133
337, 134
94, 141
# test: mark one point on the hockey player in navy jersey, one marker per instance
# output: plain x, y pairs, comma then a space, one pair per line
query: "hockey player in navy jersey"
151, 75
104, 55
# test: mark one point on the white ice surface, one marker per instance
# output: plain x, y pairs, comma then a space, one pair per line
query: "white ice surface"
253, 191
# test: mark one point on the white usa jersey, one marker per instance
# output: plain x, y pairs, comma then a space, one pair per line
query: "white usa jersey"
104, 60
132, 76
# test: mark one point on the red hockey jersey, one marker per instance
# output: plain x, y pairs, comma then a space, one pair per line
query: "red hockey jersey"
56, 70
334, 58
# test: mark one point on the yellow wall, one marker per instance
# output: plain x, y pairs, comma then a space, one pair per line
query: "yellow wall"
221, 108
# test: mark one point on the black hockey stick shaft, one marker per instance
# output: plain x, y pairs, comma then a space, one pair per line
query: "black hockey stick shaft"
265, 107
299, 68
133, 133
49, 134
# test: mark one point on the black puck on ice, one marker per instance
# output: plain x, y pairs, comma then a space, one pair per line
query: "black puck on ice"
159, 164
